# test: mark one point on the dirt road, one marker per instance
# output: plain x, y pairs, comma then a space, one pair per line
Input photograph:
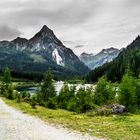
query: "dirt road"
15, 125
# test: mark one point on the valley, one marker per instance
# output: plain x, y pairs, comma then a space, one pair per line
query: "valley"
93, 98
69, 70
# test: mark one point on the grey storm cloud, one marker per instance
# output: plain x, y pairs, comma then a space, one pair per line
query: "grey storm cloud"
52, 11
90, 24
79, 46
8, 32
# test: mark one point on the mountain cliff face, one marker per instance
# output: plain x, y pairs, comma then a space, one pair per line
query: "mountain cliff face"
38, 54
94, 61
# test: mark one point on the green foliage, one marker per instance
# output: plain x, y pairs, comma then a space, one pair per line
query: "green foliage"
66, 96
52, 103
81, 100
127, 93
9, 92
33, 101
84, 100
25, 96
104, 92
7, 76
18, 98
47, 88
16, 95
2, 88
138, 92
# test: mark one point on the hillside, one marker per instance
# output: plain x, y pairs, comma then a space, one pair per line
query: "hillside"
114, 70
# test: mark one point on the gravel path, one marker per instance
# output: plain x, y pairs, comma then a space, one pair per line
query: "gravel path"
15, 125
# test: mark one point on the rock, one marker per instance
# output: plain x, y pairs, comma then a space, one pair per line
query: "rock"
119, 109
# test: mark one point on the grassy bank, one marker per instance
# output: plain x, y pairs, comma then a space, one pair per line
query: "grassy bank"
112, 127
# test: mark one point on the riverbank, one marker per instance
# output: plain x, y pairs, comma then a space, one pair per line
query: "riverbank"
113, 127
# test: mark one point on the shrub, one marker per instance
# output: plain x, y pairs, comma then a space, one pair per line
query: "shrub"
138, 94
47, 88
25, 96
66, 97
33, 101
9, 92
84, 100
104, 92
71, 105
127, 92
52, 103
2, 88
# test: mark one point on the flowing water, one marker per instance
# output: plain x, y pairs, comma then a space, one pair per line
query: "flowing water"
58, 86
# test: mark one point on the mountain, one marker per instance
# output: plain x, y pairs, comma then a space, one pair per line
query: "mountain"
114, 70
42, 52
94, 61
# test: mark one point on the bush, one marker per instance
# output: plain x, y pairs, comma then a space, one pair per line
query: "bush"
33, 101
104, 92
138, 94
18, 98
2, 88
15, 94
9, 93
84, 100
47, 88
127, 92
71, 105
25, 96
52, 103
66, 96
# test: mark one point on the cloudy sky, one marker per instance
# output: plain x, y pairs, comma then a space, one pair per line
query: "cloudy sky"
83, 25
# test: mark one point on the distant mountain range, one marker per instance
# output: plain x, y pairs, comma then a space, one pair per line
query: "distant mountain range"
94, 61
42, 52
129, 57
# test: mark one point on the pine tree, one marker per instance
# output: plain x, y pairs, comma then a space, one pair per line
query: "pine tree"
47, 87
84, 100
7, 76
127, 93
104, 93
6, 87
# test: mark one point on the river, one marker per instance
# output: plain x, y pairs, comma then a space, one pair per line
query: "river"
58, 85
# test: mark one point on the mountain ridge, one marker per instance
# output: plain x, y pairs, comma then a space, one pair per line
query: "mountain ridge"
114, 70
94, 61
43, 51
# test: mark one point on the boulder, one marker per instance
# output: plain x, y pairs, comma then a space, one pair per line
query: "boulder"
119, 109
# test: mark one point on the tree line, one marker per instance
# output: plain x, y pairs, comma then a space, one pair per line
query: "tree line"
115, 69
104, 95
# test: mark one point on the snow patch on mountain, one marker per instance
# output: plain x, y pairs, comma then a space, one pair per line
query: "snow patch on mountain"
94, 61
57, 58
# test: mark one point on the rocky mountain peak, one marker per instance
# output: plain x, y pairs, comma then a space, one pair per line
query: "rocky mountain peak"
19, 40
47, 35
138, 37
94, 61
109, 50
84, 54
46, 28
44, 50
